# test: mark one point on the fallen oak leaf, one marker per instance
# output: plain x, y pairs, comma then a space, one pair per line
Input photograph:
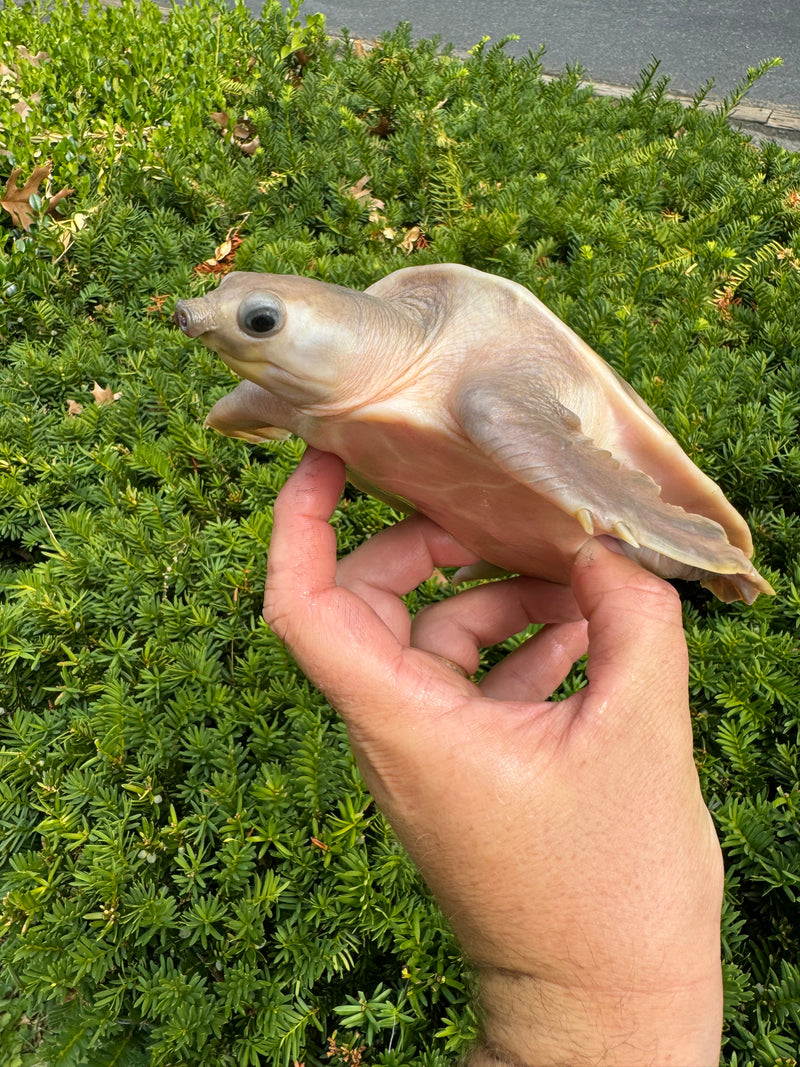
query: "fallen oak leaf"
360, 192
74, 408
17, 199
360, 188
244, 133
55, 200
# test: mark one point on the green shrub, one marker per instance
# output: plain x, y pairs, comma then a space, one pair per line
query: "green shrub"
192, 872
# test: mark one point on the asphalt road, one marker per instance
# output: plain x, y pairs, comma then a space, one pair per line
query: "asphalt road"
612, 40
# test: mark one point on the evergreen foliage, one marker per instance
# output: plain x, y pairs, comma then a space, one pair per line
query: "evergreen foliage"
191, 871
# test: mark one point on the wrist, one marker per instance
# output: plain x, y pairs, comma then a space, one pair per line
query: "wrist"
528, 1022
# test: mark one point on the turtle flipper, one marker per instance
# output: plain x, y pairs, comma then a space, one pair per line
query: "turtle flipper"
539, 442
399, 503
251, 413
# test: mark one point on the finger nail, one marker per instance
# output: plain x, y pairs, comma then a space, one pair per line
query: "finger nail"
591, 549
453, 666
612, 544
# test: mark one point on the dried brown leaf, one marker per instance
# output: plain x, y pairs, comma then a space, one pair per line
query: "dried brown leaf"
74, 408
16, 199
382, 128
360, 188
244, 130
56, 199
104, 396
242, 133
224, 256
250, 147
22, 108
410, 240
37, 60
360, 192
157, 302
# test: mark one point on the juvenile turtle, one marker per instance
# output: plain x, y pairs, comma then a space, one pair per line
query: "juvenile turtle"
459, 394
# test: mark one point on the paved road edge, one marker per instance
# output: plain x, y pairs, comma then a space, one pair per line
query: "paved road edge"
764, 122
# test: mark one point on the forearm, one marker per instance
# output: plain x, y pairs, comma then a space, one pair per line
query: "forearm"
528, 1023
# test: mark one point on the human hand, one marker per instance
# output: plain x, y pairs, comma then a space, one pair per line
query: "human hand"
567, 843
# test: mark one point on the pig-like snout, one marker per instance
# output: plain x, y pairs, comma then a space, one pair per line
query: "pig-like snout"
194, 316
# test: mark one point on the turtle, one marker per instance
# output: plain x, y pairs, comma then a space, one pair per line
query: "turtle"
459, 394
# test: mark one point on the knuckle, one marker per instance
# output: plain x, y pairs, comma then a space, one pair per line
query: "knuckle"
650, 587
275, 616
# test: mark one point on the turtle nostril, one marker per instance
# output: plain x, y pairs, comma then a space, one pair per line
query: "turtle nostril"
193, 317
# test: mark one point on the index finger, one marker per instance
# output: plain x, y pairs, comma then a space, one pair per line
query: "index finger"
337, 638
302, 551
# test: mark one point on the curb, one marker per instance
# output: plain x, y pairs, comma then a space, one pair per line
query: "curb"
764, 121
768, 120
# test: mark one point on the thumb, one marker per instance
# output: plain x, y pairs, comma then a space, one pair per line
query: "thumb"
637, 648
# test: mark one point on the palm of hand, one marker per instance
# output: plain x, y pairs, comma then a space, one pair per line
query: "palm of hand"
567, 842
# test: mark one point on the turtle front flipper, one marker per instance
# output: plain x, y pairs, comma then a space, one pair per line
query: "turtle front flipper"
251, 413
539, 442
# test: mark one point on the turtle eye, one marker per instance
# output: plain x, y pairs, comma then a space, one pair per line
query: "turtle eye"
261, 315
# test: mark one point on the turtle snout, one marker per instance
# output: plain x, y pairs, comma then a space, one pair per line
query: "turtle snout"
193, 316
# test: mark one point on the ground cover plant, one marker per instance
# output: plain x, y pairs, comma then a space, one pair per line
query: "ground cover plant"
191, 871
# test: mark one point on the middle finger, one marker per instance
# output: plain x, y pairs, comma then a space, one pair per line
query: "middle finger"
459, 627
400, 557
394, 562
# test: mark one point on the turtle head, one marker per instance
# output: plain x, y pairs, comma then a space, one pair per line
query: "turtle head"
295, 337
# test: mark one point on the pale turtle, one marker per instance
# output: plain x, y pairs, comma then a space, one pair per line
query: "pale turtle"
461, 395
